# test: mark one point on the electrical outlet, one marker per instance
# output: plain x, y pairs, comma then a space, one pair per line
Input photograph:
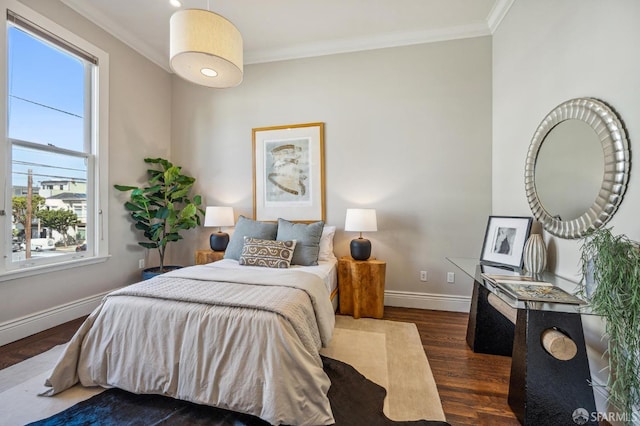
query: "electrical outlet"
423, 276
141, 264
451, 277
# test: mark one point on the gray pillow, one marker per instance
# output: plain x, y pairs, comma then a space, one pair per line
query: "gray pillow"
307, 238
248, 228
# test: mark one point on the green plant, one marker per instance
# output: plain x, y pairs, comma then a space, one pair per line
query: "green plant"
19, 208
163, 208
616, 270
59, 220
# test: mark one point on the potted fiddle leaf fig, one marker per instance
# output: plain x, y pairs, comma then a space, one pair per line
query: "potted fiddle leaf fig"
164, 207
612, 263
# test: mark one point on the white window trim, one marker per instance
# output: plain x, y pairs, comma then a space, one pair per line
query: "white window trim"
100, 148
79, 260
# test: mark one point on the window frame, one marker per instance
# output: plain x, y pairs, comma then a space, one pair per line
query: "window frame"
96, 133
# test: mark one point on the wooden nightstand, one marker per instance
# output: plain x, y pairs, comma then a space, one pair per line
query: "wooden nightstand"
361, 284
208, 256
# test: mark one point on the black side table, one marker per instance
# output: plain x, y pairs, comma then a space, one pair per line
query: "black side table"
488, 331
543, 390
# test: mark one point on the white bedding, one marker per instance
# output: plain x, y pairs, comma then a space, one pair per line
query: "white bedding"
325, 269
208, 342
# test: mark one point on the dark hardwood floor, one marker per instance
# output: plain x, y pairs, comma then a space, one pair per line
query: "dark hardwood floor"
22, 349
473, 387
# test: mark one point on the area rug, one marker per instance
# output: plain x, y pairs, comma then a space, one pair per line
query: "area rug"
388, 353
355, 400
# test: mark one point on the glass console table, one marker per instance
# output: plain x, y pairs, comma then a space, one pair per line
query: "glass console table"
542, 388
474, 270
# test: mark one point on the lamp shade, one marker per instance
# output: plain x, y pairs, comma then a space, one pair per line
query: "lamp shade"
218, 216
361, 220
205, 48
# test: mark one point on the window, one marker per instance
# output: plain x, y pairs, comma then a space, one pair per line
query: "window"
56, 127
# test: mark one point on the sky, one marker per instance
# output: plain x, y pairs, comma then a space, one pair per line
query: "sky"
46, 105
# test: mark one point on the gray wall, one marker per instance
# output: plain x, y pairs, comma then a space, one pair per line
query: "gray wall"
546, 52
394, 141
408, 132
140, 117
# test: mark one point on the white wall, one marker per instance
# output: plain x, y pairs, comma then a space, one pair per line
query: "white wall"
408, 132
140, 110
546, 52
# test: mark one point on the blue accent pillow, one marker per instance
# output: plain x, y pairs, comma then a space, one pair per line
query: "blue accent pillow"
307, 238
248, 228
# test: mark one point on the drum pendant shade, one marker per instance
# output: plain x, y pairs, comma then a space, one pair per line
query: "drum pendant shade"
203, 43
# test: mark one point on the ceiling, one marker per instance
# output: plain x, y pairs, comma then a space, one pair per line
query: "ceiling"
275, 30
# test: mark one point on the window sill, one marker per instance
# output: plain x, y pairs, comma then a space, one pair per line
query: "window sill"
43, 269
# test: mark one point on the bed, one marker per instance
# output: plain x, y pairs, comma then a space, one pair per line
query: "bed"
238, 337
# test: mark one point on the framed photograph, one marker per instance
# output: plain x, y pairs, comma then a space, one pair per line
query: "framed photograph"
288, 173
504, 240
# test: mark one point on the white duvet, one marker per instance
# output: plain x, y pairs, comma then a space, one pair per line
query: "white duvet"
243, 339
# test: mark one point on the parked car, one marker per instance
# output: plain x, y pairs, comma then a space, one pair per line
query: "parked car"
17, 245
41, 244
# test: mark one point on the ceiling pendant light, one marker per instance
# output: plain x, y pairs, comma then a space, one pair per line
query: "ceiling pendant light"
205, 48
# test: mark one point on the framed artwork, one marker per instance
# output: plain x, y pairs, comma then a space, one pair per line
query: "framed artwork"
288, 173
504, 240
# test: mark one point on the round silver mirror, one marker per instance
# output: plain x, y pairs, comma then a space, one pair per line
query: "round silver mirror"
577, 167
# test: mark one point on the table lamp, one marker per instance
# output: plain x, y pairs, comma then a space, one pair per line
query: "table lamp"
219, 216
361, 220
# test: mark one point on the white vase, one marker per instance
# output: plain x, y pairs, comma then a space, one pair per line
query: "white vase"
535, 254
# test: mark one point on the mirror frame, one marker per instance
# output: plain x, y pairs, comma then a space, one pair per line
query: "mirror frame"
615, 145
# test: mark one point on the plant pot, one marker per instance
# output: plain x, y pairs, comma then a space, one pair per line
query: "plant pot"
155, 271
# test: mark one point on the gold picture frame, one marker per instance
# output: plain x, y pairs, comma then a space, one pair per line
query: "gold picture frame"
288, 173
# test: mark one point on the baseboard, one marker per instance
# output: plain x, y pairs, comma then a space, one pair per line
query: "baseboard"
20, 328
437, 302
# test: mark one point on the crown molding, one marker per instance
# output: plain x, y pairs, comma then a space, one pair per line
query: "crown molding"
497, 13
307, 50
350, 45
85, 9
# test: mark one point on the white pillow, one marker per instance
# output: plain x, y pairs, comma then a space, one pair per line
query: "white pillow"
326, 243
